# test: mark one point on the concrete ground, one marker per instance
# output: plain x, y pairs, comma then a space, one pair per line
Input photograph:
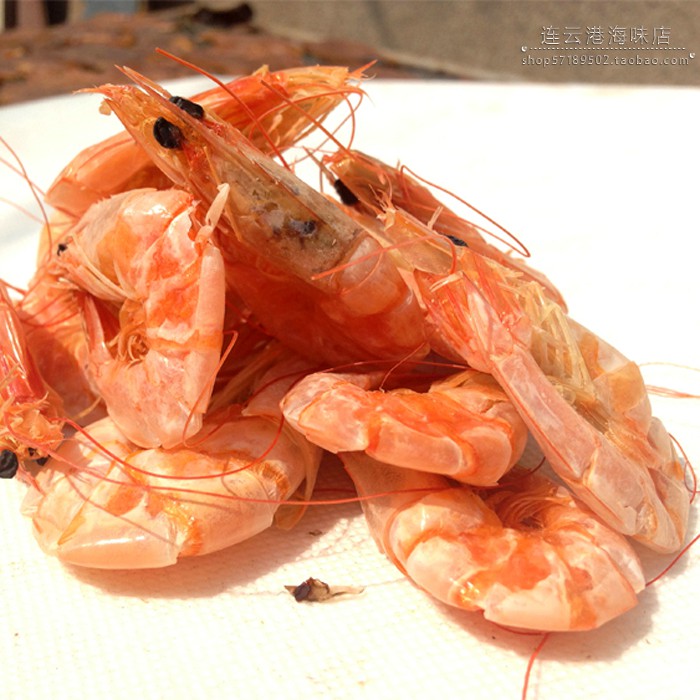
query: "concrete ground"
609, 42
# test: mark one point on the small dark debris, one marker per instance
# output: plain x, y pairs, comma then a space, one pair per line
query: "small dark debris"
303, 228
167, 134
9, 464
192, 108
314, 590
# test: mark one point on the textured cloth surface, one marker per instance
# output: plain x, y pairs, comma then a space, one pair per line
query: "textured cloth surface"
609, 215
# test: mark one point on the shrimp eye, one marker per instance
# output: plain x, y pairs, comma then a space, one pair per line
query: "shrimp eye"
345, 193
457, 241
192, 108
61, 248
9, 464
167, 134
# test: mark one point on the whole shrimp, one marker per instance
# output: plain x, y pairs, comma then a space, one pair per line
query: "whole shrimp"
582, 400
268, 106
279, 237
152, 300
103, 502
525, 553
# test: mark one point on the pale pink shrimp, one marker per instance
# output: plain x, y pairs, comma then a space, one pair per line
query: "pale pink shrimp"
279, 237
585, 404
103, 502
268, 106
31, 414
374, 187
526, 553
463, 427
153, 309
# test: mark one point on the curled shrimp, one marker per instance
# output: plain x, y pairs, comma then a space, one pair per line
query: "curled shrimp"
153, 307
582, 400
279, 237
103, 502
32, 413
463, 426
268, 106
526, 554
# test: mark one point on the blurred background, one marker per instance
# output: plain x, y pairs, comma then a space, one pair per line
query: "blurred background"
51, 46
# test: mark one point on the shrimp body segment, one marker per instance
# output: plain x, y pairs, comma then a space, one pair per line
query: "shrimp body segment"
463, 427
103, 502
527, 554
153, 311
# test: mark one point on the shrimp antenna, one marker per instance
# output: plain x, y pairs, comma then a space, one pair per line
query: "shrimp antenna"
37, 193
519, 246
330, 136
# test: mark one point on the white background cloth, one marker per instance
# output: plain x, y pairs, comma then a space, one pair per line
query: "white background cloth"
601, 183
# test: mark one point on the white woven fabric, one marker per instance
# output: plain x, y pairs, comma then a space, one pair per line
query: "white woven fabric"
601, 184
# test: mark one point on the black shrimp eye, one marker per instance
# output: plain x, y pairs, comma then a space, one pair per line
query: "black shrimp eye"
457, 241
166, 133
9, 464
192, 108
62, 247
345, 193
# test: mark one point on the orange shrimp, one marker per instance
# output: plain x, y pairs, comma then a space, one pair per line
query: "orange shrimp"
153, 309
268, 106
31, 414
463, 427
582, 400
50, 314
526, 554
103, 502
377, 187
279, 237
